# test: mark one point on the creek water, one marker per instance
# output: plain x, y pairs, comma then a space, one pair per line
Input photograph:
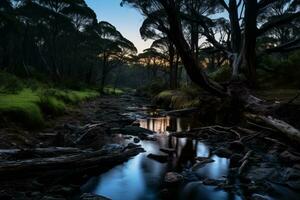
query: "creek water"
141, 178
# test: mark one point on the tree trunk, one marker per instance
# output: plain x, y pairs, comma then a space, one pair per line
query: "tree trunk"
249, 50
173, 71
192, 67
103, 73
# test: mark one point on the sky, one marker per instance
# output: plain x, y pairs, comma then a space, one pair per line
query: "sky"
126, 19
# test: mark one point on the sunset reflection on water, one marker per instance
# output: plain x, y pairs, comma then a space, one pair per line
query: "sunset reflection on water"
158, 125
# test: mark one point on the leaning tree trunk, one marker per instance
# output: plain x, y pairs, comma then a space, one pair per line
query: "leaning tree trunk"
193, 68
237, 91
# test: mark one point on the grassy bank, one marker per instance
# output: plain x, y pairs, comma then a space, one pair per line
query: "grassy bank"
29, 107
178, 99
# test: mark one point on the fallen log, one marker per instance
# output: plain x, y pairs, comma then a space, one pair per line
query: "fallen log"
281, 126
42, 151
181, 111
79, 162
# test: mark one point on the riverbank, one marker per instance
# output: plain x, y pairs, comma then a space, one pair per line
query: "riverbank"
195, 157
82, 132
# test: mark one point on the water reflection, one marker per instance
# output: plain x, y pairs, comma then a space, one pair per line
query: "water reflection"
141, 178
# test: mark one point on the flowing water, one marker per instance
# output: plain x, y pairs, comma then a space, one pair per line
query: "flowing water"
141, 178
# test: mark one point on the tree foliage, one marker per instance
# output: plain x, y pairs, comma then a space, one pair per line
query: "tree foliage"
61, 40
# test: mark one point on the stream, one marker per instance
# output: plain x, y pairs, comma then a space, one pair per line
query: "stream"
142, 178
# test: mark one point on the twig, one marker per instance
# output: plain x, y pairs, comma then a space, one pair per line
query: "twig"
242, 167
293, 99
250, 137
275, 141
244, 161
236, 133
262, 127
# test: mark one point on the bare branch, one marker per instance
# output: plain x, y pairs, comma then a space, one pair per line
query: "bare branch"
263, 3
223, 3
277, 22
289, 46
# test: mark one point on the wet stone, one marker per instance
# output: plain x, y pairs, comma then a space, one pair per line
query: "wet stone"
294, 184
158, 157
213, 182
112, 147
288, 157
52, 198
260, 174
259, 197
223, 152
291, 174
135, 131
167, 150
202, 163
88, 196
135, 124
173, 178
136, 140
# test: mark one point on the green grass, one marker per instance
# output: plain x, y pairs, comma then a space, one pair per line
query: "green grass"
113, 91
177, 99
22, 107
29, 107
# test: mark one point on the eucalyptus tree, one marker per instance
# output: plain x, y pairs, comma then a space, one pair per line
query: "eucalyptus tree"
156, 30
153, 60
168, 49
113, 49
47, 36
244, 31
9, 27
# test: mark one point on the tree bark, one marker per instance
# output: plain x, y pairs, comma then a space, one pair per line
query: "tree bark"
249, 49
80, 162
192, 67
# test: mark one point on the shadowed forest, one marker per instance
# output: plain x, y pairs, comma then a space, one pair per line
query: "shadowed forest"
210, 110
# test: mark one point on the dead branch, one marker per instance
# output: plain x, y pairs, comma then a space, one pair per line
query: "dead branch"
279, 125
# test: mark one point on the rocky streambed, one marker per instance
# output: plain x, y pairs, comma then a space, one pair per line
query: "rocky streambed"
123, 148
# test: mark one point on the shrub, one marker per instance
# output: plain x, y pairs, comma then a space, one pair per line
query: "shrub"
153, 88
9, 83
51, 105
177, 99
222, 74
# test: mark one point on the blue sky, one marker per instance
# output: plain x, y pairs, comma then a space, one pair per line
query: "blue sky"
127, 20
